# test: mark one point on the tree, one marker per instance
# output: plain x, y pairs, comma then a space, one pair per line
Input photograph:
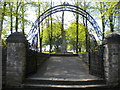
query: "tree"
16, 15
110, 11
51, 31
13, 22
40, 35
40, 7
2, 18
11, 16
56, 34
76, 3
23, 21
86, 6
47, 5
106, 10
71, 35
102, 9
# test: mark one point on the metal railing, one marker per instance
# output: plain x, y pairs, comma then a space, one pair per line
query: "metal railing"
33, 33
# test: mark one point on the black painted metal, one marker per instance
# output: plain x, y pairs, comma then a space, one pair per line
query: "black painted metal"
95, 53
31, 62
96, 62
65, 7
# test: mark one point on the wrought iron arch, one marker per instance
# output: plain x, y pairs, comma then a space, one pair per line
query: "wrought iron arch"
65, 7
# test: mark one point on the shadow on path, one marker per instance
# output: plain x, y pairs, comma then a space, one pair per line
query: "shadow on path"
64, 67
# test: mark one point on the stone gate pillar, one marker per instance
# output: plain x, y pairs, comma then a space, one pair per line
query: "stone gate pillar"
112, 59
16, 57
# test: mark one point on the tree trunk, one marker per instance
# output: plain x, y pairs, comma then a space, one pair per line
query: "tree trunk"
86, 33
41, 37
23, 17
40, 32
51, 31
39, 26
79, 49
16, 25
11, 19
77, 26
41, 44
2, 18
86, 36
103, 19
111, 22
62, 27
77, 19
50, 45
51, 35
103, 27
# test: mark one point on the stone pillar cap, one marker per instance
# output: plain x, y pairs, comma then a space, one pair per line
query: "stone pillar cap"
17, 37
113, 38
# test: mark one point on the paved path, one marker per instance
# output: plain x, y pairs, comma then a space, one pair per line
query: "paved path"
64, 67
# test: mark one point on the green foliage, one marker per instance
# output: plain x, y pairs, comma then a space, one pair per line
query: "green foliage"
82, 52
49, 52
107, 15
106, 10
71, 35
17, 8
56, 34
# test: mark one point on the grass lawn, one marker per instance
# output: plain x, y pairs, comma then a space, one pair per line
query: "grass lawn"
49, 52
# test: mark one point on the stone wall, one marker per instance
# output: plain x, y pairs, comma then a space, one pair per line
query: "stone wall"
84, 58
41, 58
21, 61
34, 61
4, 57
31, 62
112, 59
